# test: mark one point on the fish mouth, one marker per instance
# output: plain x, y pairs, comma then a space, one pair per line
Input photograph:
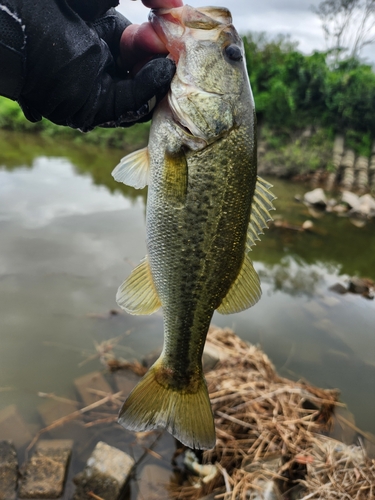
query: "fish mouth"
170, 24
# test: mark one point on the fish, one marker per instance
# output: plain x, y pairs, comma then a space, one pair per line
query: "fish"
206, 207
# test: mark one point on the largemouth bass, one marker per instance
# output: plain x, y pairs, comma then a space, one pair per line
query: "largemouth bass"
205, 209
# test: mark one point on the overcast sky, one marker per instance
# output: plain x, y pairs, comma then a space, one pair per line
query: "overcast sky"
292, 17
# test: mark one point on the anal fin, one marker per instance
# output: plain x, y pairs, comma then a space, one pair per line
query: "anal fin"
138, 295
245, 291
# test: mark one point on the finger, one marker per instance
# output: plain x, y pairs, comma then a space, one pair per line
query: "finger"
162, 4
139, 42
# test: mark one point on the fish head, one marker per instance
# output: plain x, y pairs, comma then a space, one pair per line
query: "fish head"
210, 92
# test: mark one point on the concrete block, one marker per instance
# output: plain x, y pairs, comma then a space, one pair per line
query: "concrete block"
153, 482
13, 428
105, 474
43, 476
86, 383
52, 410
125, 381
8, 471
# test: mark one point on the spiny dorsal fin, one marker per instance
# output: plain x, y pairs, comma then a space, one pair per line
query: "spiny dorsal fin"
260, 211
134, 169
245, 291
138, 295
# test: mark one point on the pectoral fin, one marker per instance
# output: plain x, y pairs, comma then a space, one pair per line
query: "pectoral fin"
245, 291
134, 169
138, 295
175, 178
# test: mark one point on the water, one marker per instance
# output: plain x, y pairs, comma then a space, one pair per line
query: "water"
70, 235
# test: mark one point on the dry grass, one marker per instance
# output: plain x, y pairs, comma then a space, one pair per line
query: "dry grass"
269, 433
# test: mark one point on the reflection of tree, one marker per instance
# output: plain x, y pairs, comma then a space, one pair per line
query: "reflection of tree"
292, 279
19, 150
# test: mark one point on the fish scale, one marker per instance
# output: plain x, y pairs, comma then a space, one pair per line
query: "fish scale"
205, 209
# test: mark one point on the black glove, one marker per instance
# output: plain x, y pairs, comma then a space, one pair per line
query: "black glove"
58, 60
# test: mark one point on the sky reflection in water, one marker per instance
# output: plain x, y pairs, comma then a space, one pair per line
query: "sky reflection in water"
69, 236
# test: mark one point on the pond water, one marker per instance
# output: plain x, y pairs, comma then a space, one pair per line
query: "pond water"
70, 235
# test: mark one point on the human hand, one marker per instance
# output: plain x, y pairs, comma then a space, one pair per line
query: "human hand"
139, 43
67, 67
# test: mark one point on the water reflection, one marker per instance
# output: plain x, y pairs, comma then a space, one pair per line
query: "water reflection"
292, 278
70, 235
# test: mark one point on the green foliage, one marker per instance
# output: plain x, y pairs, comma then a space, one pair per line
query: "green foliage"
293, 90
12, 118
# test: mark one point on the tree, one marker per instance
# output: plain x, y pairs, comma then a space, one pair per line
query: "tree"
348, 25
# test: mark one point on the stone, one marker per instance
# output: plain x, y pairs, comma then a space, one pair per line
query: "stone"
340, 208
338, 288
8, 471
43, 476
52, 410
366, 205
350, 199
307, 225
153, 482
106, 472
125, 381
86, 384
13, 428
315, 309
362, 286
348, 159
316, 197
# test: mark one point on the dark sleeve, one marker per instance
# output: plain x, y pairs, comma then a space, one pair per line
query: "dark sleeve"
59, 61
12, 52
53, 62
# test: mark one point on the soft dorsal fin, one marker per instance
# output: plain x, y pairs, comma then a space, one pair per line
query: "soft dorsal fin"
138, 295
245, 291
260, 211
134, 169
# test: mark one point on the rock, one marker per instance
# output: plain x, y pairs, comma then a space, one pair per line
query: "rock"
8, 471
52, 410
350, 199
348, 178
13, 428
43, 476
92, 382
153, 482
126, 380
338, 288
314, 309
362, 286
105, 474
348, 159
366, 206
316, 197
307, 225
340, 209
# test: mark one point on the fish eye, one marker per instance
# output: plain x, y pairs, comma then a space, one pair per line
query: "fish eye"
233, 52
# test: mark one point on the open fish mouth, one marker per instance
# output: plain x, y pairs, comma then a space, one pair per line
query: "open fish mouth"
171, 24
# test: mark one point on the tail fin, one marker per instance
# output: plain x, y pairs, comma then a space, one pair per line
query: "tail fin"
186, 415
